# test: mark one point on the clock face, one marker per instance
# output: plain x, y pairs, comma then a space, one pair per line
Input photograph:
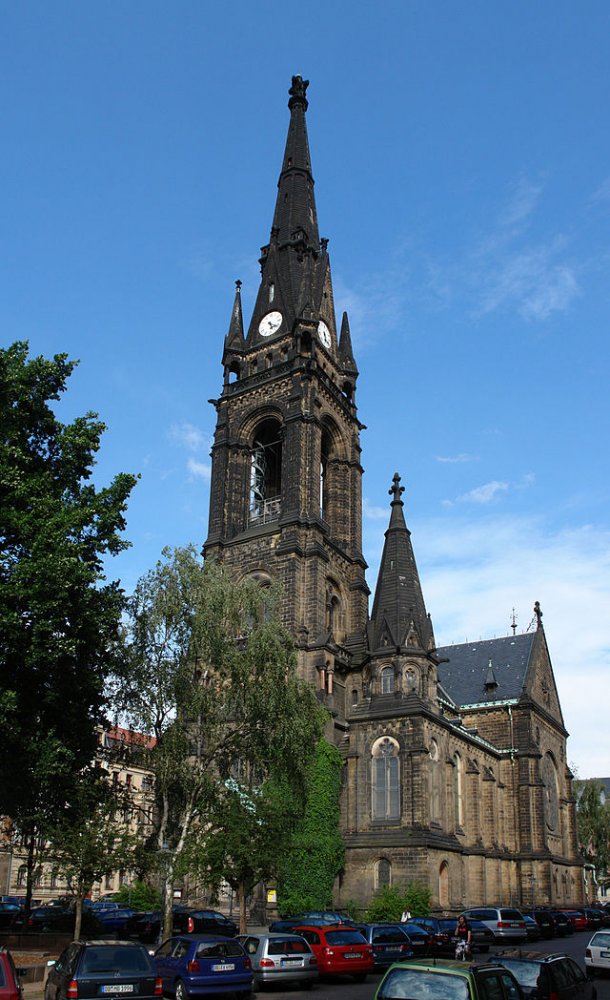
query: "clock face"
324, 334
270, 324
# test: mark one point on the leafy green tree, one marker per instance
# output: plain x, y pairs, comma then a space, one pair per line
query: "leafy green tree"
92, 838
391, 901
140, 895
316, 853
59, 619
211, 675
593, 823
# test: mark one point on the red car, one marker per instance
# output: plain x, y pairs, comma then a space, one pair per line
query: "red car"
577, 918
340, 950
10, 986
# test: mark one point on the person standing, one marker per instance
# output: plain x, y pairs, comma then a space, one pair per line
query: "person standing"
463, 936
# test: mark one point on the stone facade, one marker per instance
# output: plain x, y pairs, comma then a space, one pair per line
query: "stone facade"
455, 758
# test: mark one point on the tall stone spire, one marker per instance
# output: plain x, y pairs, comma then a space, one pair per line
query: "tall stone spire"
399, 616
295, 271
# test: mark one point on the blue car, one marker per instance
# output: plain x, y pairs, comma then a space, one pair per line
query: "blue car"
196, 965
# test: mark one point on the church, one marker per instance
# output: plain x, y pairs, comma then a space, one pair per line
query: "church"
455, 768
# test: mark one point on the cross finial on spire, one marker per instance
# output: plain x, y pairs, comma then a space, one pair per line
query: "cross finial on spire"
513, 622
297, 92
396, 489
238, 286
538, 614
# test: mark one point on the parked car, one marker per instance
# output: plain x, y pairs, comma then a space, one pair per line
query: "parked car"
280, 958
287, 926
313, 918
388, 941
442, 931
505, 923
340, 950
10, 977
547, 977
446, 979
544, 919
195, 965
594, 919
561, 923
89, 969
112, 919
577, 919
597, 953
206, 922
532, 928
11, 915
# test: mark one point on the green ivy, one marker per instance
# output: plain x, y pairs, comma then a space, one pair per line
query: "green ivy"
316, 854
391, 900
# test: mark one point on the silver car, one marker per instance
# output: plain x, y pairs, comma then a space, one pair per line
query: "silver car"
280, 958
506, 923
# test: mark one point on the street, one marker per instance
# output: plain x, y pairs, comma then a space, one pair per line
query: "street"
346, 989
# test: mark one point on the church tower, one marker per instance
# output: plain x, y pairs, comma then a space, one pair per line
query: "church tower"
286, 491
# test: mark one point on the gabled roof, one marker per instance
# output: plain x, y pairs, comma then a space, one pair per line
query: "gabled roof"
465, 675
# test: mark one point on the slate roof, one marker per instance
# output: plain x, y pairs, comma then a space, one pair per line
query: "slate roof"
467, 671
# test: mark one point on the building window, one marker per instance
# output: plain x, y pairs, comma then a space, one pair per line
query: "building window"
385, 780
266, 472
435, 782
22, 875
551, 798
384, 873
387, 680
458, 801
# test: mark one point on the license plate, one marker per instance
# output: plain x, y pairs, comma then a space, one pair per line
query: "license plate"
292, 962
118, 989
392, 950
353, 954
226, 967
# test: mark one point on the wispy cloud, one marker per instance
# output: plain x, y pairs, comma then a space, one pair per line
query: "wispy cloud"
534, 281
521, 203
189, 436
484, 494
375, 513
199, 470
603, 191
457, 459
475, 568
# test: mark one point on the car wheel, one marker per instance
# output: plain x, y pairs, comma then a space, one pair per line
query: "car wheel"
484, 947
359, 977
306, 985
180, 991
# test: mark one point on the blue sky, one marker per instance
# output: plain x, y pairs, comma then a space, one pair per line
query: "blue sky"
462, 162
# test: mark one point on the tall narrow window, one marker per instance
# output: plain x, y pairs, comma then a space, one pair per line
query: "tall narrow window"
266, 472
458, 803
387, 680
384, 873
385, 780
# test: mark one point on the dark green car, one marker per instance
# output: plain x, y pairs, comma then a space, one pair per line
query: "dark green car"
447, 979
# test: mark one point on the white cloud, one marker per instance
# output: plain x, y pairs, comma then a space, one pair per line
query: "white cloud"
189, 436
603, 191
200, 470
485, 493
375, 513
521, 204
474, 573
455, 459
532, 281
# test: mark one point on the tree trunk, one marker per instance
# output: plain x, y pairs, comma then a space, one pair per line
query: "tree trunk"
241, 898
167, 886
78, 916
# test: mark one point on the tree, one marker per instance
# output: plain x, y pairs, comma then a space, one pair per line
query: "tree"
59, 619
316, 854
211, 676
92, 838
391, 901
593, 823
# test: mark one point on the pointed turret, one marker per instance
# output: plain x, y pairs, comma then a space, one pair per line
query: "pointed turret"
295, 271
235, 337
399, 615
346, 354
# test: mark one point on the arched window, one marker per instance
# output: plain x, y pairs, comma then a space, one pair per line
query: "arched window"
266, 472
435, 782
443, 885
410, 679
458, 801
22, 875
387, 680
385, 779
384, 873
551, 797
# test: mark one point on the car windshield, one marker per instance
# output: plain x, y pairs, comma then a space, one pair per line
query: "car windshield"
510, 915
411, 983
344, 937
120, 960
526, 973
601, 940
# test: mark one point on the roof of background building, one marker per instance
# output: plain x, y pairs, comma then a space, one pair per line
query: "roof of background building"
467, 678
